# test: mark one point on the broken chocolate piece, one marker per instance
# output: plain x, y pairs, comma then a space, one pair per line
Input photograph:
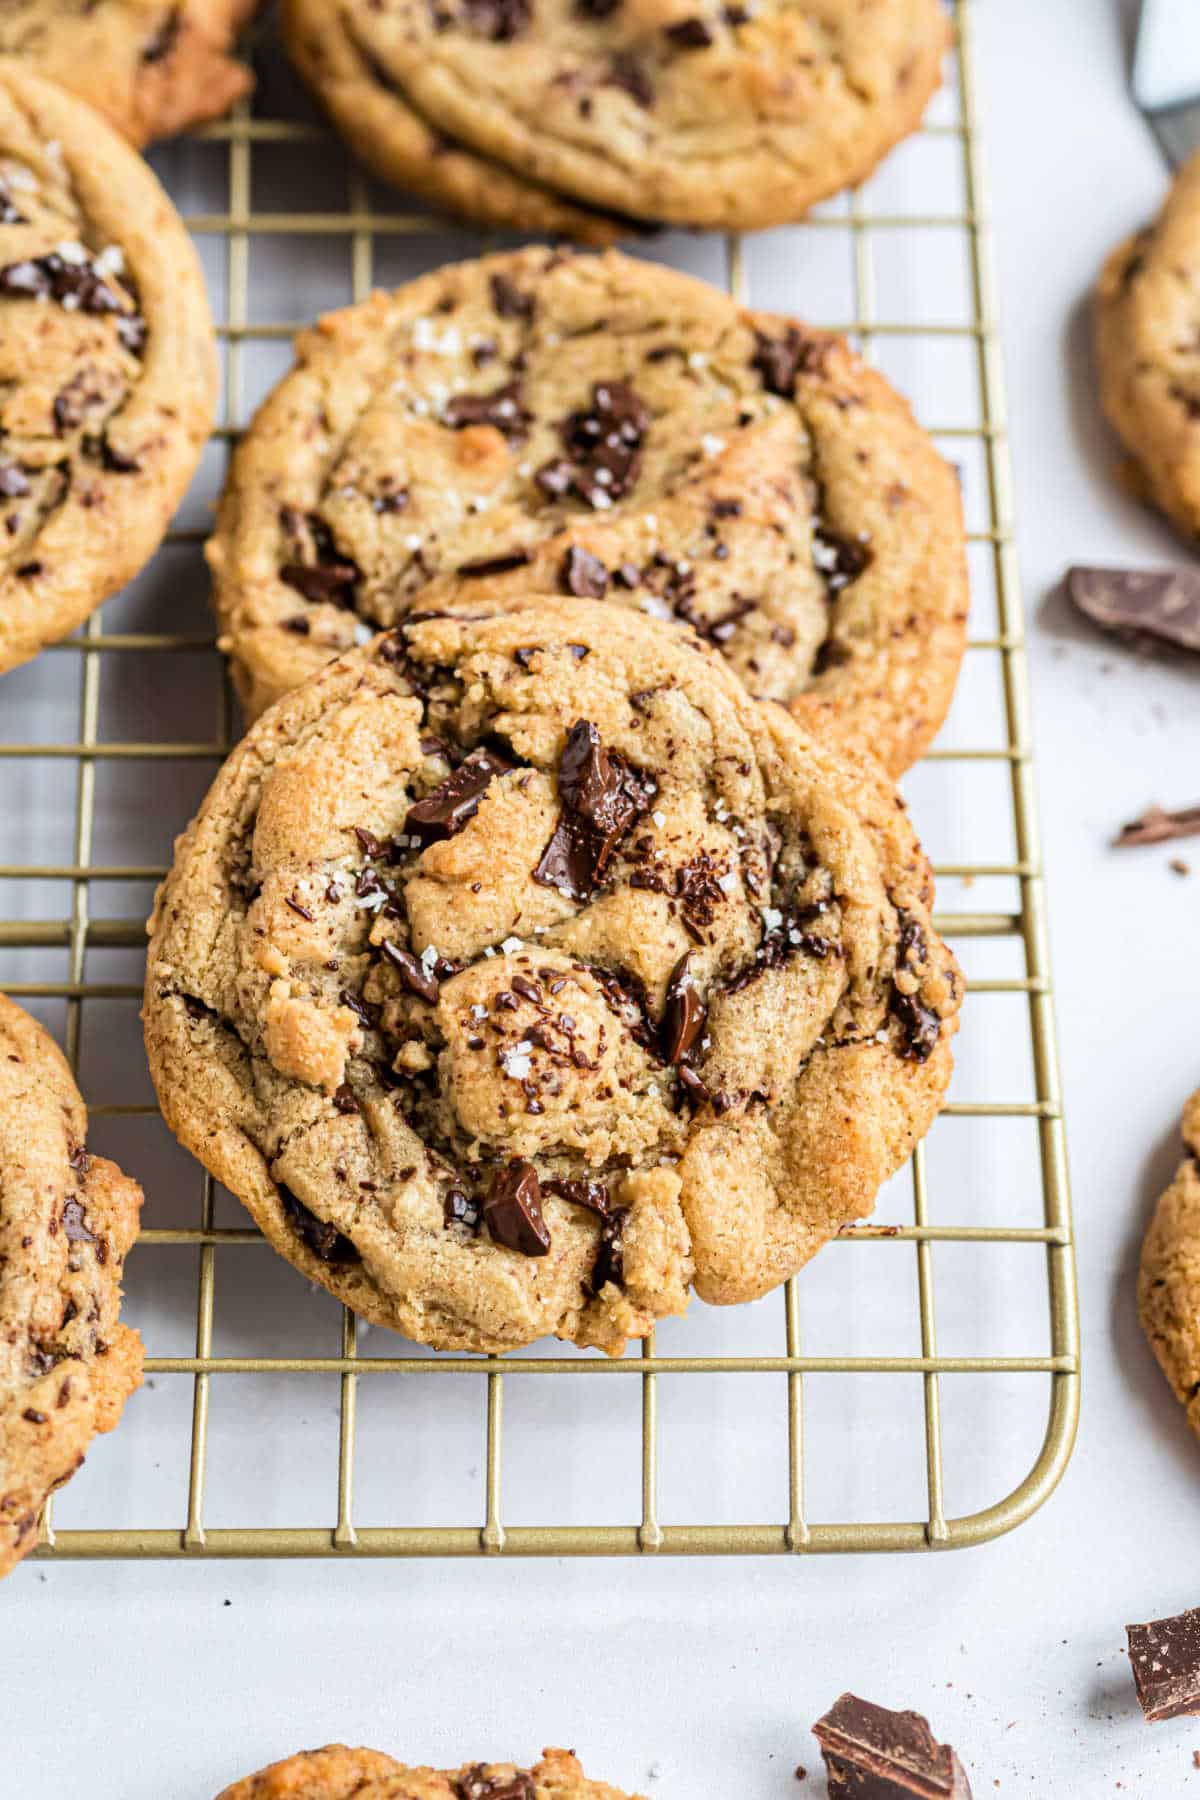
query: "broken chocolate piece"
502, 409
477, 1784
690, 34
75, 1225
603, 448
55, 277
509, 300
778, 361
1157, 826
841, 560
591, 1195
1151, 603
494, 565
1165, 1658
455, 801
461, 1209
513, 1210
920, 1024
684, 1013
329, 576
602, 796
873, 1754
584, 574
412, 972
610, 1252
323, 1239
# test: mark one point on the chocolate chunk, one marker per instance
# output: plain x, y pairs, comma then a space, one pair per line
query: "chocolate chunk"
779, 360
455, 801
840, 559
160, 45
625, 71
690, 34
873, 1754
115, 461
502, 409
684, 1013
513, 1210
459, 1208
301, 911
603, 446
54, 277
413, 973
368, 843
75, 1225
508, 299
592, 1195
13, 481
344, 1099
328, 576
393, 500
495, 565
584, 574
1149, 603
920, 1024
610, 1252
477, 1784
602, 796
499, 20
1165, 1658
596, 9
323, 1239
1157, 826
696, 1090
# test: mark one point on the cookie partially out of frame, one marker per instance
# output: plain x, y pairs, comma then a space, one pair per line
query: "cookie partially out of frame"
518, 970
1147, 326
544, 423
1169, 1276
152, 67
67, 1365
107, 364
678, 111
338, 1773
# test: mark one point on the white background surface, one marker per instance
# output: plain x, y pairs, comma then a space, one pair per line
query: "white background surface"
129, 1682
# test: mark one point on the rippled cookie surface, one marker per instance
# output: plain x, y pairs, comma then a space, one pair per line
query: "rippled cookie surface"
339, 1773
107, 367
540, 423
67, 1365
520, 970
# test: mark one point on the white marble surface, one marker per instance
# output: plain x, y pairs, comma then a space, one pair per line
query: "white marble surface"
134, 1682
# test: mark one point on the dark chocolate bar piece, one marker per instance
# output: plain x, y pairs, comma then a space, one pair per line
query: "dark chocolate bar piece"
1159, 603
1165, 1658
873, 1754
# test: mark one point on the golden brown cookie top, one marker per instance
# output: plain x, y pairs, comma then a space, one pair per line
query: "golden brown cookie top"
66, 1222
107, 366
338, 1773
496, 947
1169, 1276
152, 67
537, 424
682, 111
1148, 350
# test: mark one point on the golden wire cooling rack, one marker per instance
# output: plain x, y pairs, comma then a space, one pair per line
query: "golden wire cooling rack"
271, 1423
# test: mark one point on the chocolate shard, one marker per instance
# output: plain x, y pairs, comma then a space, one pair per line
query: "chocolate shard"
513, 1210
477, 1784
455, 801
324, 1240
778, 360
610, 1252
75, 1224
603, 448
1157, 826
841, 560
510, 301
591, 1195
583, 574
502, 409
873, 1754
412, 972
459, 1208
920, 1025
1165, 1658
602, 796
684, 1013
689, 34
1150, 603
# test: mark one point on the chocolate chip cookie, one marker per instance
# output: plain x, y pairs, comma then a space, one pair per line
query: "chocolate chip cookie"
548, 423
107, 364
67, 1219
730, 116
1148, 350
518, 969
337, 1773
1169, 1277
152, 67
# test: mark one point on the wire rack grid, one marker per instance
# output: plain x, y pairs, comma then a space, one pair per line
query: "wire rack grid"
63, 965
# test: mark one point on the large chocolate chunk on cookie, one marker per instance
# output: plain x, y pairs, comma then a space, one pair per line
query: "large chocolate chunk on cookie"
592, 425
107, 365
517, 968
66, 1221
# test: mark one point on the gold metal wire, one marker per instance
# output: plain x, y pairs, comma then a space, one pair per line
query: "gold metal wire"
77, 932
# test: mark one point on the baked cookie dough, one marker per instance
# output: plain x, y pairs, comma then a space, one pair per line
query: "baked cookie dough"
152, 67
518, 970
736, 117
337, 1773
1169, 1277
1147, 326
540, 423
107, 364
67, 1219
